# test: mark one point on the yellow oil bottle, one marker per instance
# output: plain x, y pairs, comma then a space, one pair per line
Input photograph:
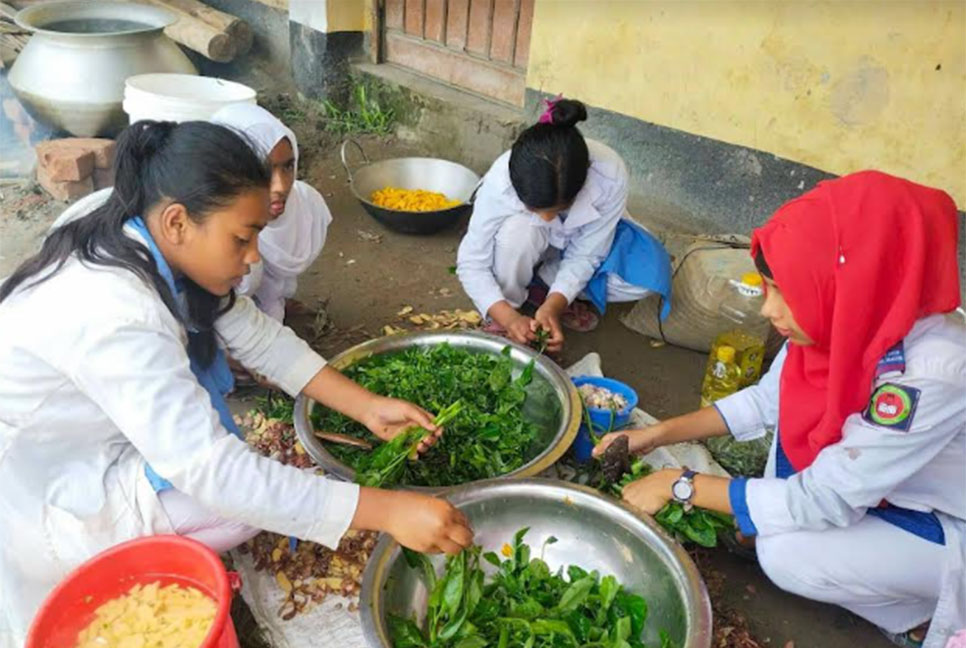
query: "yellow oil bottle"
723, 376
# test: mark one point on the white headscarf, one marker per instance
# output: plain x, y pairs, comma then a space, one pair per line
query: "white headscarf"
290, 243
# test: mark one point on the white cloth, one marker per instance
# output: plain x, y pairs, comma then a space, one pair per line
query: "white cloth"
290, 243
94, 382
920, 469
501, 226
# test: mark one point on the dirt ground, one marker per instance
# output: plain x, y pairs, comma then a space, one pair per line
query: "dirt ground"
367, 273
366, 282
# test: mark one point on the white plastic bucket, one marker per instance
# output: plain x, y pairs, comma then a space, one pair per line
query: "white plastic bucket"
180, 97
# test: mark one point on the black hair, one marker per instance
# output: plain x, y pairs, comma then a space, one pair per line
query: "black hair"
549, 162
762, 265
199, 165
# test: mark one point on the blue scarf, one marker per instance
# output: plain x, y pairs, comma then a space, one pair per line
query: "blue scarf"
216, 378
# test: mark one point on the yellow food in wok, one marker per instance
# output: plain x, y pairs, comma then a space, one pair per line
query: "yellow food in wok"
411, 200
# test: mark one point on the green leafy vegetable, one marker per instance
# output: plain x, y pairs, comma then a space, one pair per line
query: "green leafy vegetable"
488, 437
698, 525
542, 340
746, 458
274, 405
523, 604
386, 462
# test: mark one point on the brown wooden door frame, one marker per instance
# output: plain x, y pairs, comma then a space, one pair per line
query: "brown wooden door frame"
477, 45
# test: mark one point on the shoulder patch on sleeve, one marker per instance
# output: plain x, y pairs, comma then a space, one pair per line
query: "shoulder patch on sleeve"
892, 406
894, 360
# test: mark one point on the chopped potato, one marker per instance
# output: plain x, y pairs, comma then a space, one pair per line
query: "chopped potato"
411, 200
151, 616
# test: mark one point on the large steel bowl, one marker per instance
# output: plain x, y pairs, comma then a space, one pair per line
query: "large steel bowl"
432, 174
593, 531
552, 401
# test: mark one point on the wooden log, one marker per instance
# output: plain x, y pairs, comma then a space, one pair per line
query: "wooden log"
237, 29
215, 34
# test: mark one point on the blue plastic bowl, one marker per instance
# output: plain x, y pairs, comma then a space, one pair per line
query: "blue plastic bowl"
600, 419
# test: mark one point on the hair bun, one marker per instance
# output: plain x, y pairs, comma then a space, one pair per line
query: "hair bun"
567, 112
149, 137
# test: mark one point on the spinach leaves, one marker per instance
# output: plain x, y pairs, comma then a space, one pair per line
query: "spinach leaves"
523, 604
386, 462
698, 525
487, 437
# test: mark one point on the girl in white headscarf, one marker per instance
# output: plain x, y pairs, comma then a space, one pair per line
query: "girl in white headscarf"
294, 237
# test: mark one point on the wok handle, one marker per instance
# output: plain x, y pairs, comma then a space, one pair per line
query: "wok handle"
345, 163
472, 199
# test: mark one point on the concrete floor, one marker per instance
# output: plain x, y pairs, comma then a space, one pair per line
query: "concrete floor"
366, 281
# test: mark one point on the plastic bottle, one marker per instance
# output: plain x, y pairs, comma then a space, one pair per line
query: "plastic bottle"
722, 378
745, 332
749, 333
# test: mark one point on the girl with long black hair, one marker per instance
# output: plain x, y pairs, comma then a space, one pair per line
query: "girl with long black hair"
113, 423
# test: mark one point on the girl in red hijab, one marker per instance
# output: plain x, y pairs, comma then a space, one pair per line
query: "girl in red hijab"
863, 503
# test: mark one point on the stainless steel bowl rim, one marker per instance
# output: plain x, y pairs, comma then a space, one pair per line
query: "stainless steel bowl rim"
697, 602
558, 446
161, 17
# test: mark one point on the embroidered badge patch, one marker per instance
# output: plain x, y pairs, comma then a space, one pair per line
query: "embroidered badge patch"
894, 361
892, 406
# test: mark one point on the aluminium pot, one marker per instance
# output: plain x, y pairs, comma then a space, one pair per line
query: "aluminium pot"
71, 73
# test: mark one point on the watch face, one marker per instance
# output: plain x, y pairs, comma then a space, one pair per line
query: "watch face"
682, 490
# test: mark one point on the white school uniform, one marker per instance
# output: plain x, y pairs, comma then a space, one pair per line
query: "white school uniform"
505, 241
94, 383
289, 244
815, 537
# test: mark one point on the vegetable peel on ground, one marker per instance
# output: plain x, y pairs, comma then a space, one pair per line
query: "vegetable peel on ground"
312, 572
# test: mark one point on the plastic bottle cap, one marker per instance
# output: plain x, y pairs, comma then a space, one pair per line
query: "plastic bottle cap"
751, 279
726, 354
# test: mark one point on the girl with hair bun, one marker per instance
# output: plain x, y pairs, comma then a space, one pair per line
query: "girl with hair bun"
550, 224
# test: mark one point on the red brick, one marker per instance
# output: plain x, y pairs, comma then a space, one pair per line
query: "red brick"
103, 149
103, 178
64, 191
64, 163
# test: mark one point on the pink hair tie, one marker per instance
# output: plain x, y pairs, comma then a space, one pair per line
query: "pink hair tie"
547, 116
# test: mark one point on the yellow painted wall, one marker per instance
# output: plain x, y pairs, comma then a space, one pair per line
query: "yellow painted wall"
837, 85
346, 15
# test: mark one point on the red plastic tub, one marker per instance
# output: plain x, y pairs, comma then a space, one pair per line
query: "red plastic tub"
168, 558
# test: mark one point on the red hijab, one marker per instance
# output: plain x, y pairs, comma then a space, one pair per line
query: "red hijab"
858, 260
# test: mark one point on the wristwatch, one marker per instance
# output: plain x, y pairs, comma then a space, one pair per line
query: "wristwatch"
683, 488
